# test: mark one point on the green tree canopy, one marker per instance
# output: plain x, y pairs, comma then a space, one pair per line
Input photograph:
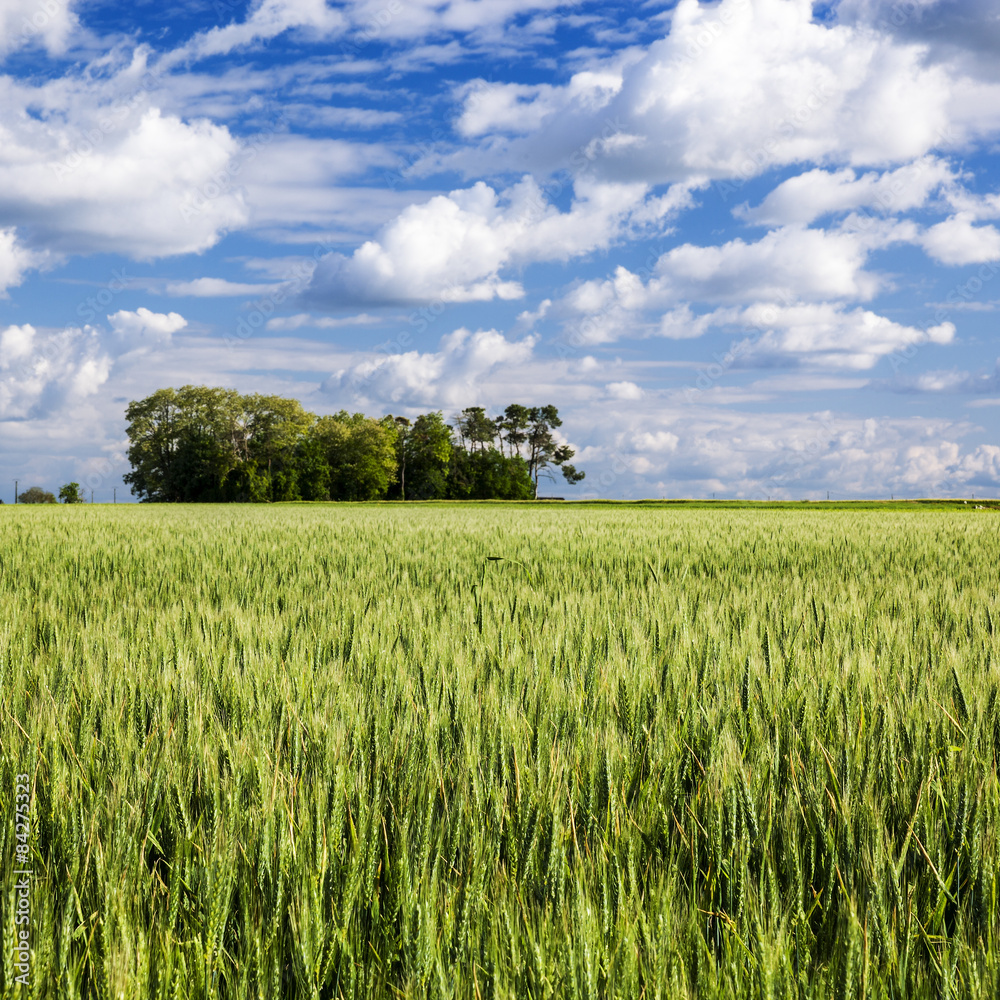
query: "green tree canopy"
183, 443
70, 493
203, 443
428, 452
36, 494
476, 430
488, 475
361, 454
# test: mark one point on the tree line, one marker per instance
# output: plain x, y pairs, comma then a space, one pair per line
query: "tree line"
69, 493
208, 444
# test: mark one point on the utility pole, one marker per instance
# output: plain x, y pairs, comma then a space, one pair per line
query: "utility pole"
115, 494
91, 496
15, 491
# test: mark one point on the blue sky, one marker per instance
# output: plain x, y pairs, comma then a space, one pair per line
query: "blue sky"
749, 248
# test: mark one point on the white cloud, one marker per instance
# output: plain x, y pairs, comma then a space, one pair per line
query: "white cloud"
788, 265
485, 20
957, 241
452, 376
802, 199
624, 390
269, 18
954, 31
46, 22
602, 311
946, 381
518, 108
148, 188
15, 344
361, 22
740, 87
453, 247
43, 372
300, 320
208, 288
145, 327
785, 330
656, 441
293, 179
824, 336
16, 260
691, 447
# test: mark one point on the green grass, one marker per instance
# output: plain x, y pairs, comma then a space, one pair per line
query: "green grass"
325, 751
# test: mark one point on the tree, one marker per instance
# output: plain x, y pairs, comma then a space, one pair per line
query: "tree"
529, 432
428, 451
313, 468
70, 493
272, 430
543, 451
512, 427
488, 475
199, 443
402, 425
184, 443
36, 495
476, 428
245, 483
361, 454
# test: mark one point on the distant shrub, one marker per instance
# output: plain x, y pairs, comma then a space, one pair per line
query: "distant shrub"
36, 495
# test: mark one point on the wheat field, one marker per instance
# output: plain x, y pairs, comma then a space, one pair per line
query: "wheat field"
501, 752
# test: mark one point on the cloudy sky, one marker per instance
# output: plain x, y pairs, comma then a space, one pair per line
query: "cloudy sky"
748, 247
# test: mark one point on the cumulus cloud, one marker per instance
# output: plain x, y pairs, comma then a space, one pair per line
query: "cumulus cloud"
49, 23
787, 263
143, 327
787, 266
16, 260
602, 311
624, 390
451, 376
42, 372
735, 89
952, 30
823, 336
690, 447
782, 332
957, 241
147, 189
453, 248
518, 108
954, 241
